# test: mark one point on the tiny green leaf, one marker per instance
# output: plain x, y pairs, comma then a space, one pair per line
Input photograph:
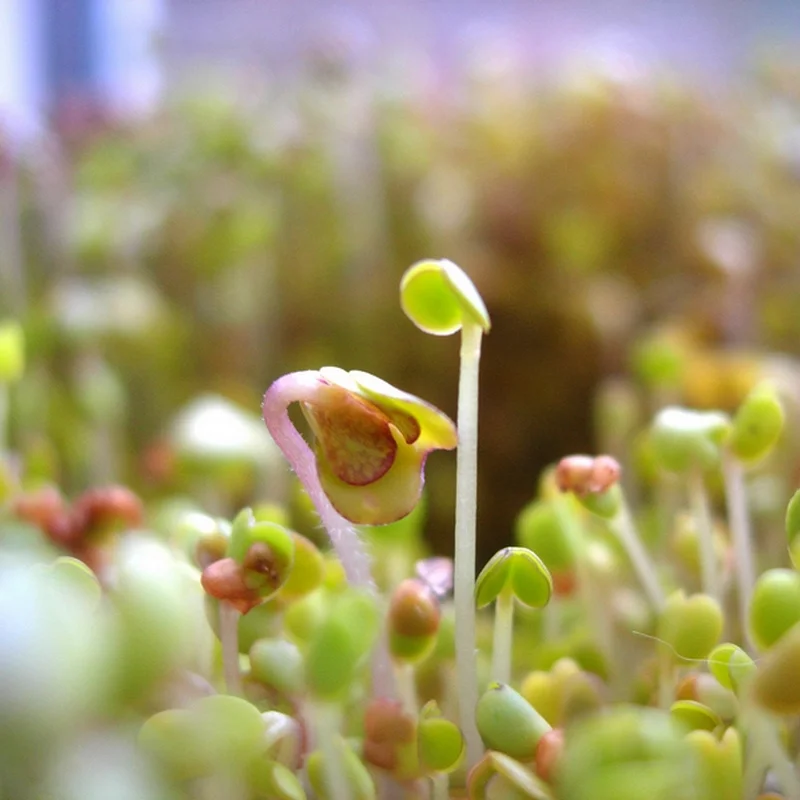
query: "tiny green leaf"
659, 360
730, 665
308, 569
793, 517
498, 777
691, 626
628, 752
539, 528
720, 763
774, 605
518, 570
340, 644
170, 739
439, 741
508, 722
76, 573
775, 685
694, 715
271, 780
277, 664
682, 439
438, 296
757, 424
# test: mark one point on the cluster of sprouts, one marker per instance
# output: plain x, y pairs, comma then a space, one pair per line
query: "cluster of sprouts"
637, 650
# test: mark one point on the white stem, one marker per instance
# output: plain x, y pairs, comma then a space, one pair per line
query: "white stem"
441, 787
503, 637
229, 639
639, 557
705, 534
406, 688
766, 751
739, 522
465, 524
300, 387
327, 722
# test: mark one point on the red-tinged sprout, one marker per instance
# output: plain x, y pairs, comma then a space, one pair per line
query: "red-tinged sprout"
389, 733
582, 474
371, 441
548, 754
99, 508
225, 581
41, 507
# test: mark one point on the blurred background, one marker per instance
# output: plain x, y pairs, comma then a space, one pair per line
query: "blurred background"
197, 196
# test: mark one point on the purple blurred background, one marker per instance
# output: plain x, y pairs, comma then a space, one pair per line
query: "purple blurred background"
126, 53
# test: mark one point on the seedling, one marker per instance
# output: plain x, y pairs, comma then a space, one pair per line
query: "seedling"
440, 299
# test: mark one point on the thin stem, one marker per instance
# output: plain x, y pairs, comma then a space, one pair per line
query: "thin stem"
705, 533
229, 638
300, 387
327, 721
640, 559
503, 637
406, 688
440, 784
739, 522
465, 524
765, 752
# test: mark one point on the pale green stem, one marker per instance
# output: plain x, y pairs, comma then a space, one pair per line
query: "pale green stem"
465, 523
551, 620
229, 639
503, 637
765, 751
639, 557
739, 522
406, 687
440, 785
326, 718
705, 534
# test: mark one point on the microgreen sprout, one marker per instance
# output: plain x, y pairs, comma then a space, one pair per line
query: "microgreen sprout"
371, 442
688, 443
513, 573
413, 624
595, 482
688, 628
440, 299
507, 722
756, 428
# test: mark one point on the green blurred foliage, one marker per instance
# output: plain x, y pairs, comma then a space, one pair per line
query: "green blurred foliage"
217, 245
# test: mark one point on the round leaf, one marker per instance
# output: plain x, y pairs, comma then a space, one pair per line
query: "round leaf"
437, 296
